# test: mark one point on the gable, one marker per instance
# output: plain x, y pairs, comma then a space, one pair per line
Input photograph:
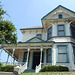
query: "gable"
55, 16
59, 10
35, 39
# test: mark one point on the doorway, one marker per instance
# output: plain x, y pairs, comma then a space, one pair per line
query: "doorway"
36, 59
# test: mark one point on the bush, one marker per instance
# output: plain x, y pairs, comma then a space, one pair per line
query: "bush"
0, 66
54, 68
7, 68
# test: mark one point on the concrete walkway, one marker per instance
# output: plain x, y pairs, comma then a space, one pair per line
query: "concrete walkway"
6, 73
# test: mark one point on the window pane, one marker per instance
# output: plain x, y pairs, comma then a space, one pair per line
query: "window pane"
60, 16
39, 35
62, 57
61, 33
62, 49
49, 33
49, 58
49, 51
60, 27
49, 55
25, 57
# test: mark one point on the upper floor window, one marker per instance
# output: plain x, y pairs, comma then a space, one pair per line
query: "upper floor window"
60, 16
49, 33
62, 53
73, 32
39, 36
61, 30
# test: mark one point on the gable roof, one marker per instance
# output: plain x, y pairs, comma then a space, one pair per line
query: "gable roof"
57, 8
39, 39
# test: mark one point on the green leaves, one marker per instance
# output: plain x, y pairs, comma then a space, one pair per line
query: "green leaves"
8, 33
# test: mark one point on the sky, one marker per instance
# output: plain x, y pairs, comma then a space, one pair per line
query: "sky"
28, 13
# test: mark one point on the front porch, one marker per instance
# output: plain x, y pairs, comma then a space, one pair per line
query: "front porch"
30, 55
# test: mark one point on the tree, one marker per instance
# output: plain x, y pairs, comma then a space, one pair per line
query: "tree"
8, 33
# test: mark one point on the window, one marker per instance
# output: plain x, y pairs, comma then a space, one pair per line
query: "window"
39, 36
60, 16
61, 30
73, 31
49, 55
62, 53
25, 57
49, 33
74, 54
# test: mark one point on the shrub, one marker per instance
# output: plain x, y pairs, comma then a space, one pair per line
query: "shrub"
0, 66
7, 68
54, 68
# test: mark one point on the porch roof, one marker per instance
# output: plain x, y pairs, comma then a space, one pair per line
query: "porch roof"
23, 46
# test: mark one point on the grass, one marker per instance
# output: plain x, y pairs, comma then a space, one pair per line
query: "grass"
50, 73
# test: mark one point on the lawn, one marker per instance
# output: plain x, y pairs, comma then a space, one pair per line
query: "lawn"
50, 73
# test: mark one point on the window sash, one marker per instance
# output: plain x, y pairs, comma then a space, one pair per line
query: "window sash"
62, 57
49, 33
48, 56
62, 53
60, 16
61, 30
39, 35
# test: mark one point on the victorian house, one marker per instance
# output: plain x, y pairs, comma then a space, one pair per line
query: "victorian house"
53, 43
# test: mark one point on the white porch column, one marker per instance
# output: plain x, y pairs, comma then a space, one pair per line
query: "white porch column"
7, 59
28, 54
13, 55
71, 56
41, 54
54, 55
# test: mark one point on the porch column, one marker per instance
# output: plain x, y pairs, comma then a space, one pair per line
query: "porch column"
28, 54
13, 55
7, 59
54, 55
41, 54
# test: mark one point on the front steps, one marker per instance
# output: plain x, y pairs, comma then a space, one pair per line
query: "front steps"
29, 71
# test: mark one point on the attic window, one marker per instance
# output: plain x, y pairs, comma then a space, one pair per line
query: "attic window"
39, 36
60, 16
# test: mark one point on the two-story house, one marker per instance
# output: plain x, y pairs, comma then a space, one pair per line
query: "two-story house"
53, 43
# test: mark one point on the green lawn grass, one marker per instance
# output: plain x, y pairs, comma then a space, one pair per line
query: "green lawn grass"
50, 73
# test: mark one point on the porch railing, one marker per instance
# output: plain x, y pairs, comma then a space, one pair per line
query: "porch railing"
41, 65
38, 68
21, 69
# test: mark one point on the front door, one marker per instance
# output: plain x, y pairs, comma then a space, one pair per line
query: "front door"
36, 59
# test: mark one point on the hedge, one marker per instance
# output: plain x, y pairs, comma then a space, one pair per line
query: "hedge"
6, 68
54, 68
